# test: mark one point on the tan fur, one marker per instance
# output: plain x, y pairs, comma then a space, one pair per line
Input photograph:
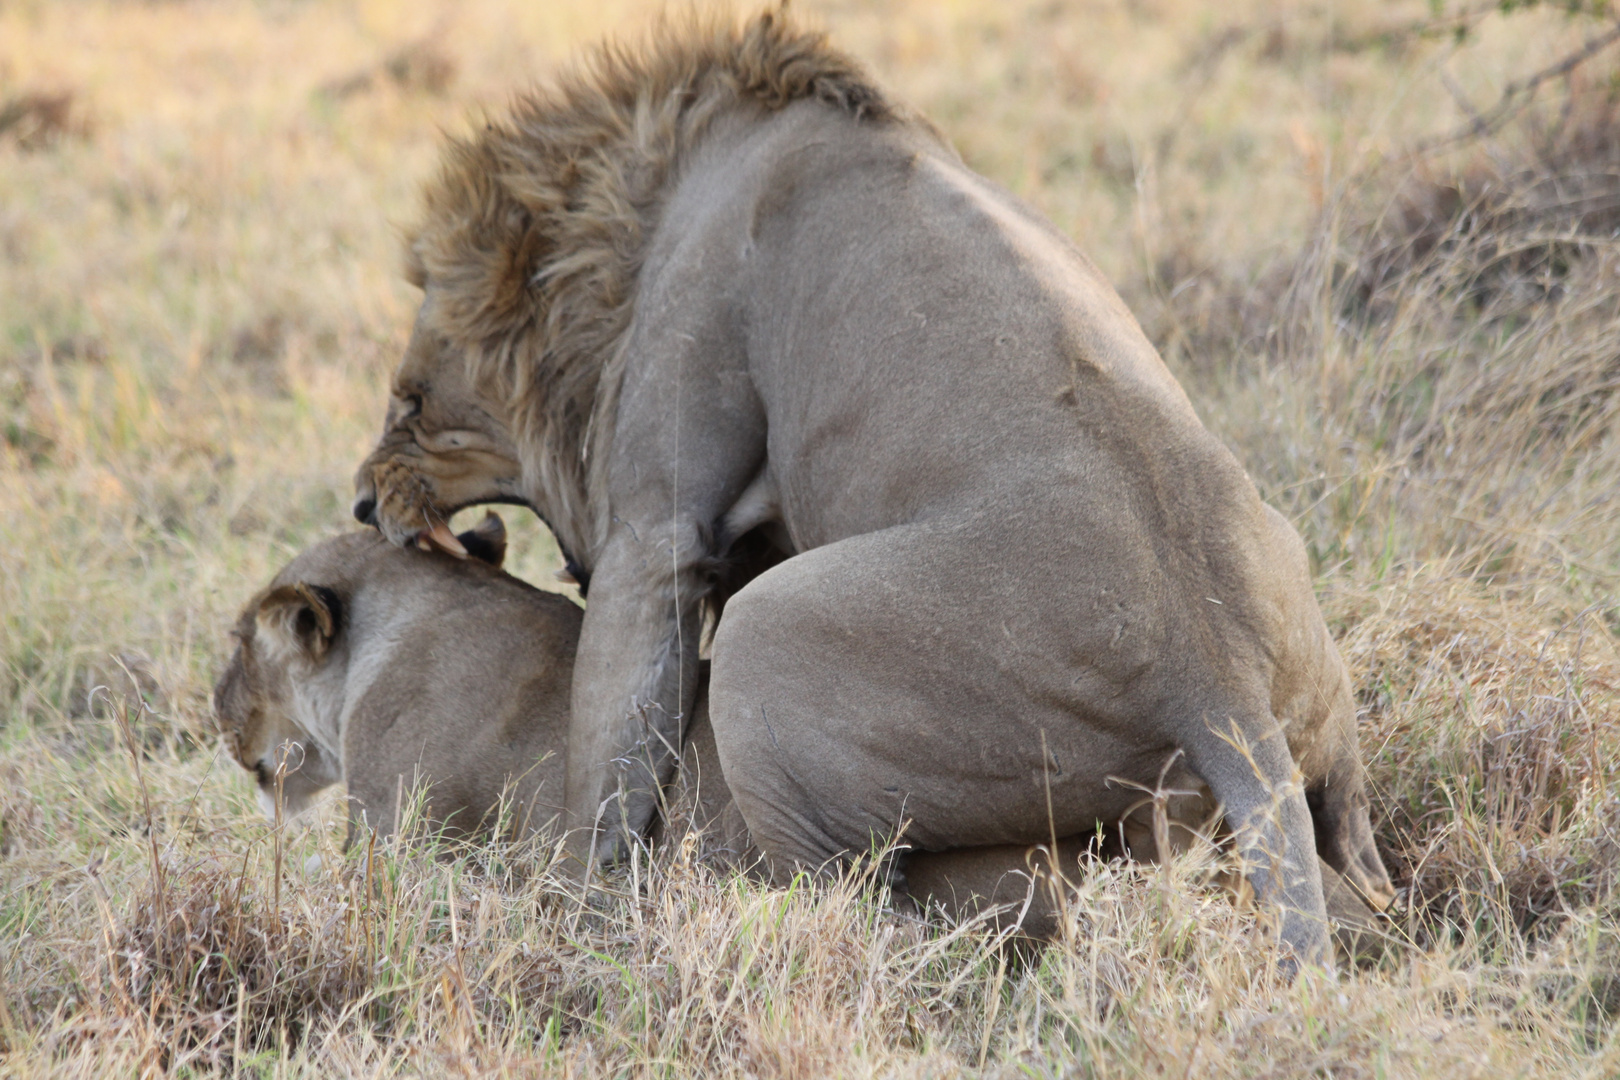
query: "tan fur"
387, 668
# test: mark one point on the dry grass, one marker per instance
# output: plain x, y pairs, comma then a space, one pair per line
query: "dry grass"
1416, 358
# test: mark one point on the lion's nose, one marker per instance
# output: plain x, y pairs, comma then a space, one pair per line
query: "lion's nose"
365, 510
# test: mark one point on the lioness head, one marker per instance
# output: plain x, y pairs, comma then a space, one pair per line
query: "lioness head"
279, 699
445, 446
288, 629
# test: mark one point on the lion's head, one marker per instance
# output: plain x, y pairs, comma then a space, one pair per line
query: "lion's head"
445, 446
287, 630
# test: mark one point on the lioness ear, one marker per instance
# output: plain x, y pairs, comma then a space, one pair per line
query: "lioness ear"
301, 617
486, 541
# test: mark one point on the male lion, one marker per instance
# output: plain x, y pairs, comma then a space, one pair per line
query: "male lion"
719, 288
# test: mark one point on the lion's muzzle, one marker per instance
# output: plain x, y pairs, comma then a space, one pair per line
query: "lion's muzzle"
398, 501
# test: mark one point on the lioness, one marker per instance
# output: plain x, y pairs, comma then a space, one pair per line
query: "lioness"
387, 669
382, 667
721, 287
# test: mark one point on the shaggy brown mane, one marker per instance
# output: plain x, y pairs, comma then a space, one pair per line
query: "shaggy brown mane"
535, 228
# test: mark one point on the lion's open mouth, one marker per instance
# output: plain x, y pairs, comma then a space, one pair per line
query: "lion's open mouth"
401, 507
401, 503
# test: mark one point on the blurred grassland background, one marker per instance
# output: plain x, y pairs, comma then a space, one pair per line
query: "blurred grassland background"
1379, 251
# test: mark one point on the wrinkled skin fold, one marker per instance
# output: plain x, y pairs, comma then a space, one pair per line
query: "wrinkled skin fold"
1015, 575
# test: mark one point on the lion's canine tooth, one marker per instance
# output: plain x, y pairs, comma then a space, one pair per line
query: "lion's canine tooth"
440, 536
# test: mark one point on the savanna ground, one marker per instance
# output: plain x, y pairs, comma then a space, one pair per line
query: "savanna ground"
1377, 248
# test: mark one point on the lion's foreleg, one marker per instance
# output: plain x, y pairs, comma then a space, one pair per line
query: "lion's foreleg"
635, 678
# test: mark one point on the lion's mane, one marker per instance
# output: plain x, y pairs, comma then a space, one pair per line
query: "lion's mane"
535, 228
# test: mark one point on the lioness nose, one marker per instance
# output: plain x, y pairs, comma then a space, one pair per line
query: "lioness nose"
365, 510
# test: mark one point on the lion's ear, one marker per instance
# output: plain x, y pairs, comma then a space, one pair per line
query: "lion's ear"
486, 541
301, 617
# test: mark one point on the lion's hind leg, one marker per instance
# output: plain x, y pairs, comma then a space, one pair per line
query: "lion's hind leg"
1251, 773
810, 702
1344, 835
